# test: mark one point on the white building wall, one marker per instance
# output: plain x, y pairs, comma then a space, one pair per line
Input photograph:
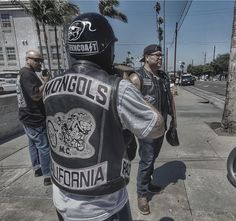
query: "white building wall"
22, 36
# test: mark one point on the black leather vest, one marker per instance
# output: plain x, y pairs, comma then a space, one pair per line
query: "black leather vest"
87, 145
156, 91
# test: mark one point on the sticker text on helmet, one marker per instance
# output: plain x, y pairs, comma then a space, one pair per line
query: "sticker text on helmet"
83, 47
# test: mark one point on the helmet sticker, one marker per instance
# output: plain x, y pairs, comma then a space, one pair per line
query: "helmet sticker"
76, 29
90, 47
69, 133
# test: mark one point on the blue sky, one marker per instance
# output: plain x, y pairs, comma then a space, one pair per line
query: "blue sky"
207, 24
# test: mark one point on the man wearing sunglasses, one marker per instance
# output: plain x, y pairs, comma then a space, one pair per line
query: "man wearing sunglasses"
32, 113
155, 88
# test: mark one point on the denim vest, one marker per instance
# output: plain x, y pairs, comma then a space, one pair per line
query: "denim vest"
156, 90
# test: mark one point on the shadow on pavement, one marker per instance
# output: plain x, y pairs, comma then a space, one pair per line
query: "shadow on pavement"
9, 138
168, 173
166, 219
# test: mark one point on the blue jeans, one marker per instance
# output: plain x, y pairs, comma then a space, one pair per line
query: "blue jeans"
39, 149
123, 215
149, 150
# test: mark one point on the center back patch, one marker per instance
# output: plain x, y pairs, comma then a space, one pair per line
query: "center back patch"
69, 133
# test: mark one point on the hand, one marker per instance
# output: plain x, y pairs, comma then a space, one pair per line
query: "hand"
173, 122
45, 78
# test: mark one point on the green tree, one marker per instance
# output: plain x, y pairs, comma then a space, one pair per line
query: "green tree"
27, 9
106, 8
221, 64
61, 13
39, 10
228, 122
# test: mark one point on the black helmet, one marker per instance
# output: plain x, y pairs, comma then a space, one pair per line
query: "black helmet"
89, 34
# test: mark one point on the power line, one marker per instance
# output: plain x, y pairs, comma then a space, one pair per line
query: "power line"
186, 12
182, 17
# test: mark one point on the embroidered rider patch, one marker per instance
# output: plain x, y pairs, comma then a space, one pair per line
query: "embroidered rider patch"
69, 133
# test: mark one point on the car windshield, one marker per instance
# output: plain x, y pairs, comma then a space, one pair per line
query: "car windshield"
8, 75
186, 77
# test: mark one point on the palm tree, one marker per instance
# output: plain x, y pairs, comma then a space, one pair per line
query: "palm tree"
228, 123
39, 9
28, 11
59, 15
106, 8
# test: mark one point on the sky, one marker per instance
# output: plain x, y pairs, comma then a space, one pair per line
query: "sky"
207, 25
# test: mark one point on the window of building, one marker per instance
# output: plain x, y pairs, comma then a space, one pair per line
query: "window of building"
11, 53
54, 52
5, 20
1, 55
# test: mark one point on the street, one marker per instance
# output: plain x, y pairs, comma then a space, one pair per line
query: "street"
217, 87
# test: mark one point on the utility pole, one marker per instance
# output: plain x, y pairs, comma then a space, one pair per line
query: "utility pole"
214, 51
192, 62
164, 35
204, 58
176, 31
166, 60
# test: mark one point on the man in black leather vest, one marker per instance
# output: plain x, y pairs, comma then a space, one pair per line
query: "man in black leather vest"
155, 88
87, 109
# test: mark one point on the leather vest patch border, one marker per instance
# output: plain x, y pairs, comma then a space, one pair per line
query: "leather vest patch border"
79, 179
69, 133
80, 85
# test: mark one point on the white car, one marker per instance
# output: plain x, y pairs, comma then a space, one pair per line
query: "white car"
8, 81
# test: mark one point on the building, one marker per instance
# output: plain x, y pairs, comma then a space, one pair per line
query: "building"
18, 35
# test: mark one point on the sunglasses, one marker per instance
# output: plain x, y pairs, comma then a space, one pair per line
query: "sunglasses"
36, 59
157, 55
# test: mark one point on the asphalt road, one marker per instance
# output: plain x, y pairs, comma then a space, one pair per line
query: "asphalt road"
216, 87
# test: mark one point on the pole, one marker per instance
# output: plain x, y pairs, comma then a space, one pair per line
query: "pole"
176, 31
205, 58
214, 51
166, 65
164, 35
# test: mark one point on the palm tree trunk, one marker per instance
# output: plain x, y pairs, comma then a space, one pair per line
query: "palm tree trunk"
57, 47
228, 123
40, 41
46, 44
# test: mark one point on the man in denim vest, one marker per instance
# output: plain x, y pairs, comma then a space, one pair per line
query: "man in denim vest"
155, 88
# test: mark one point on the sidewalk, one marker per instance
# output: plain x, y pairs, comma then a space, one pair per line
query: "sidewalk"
193, 175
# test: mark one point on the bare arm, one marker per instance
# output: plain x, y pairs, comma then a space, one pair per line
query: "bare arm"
135, 80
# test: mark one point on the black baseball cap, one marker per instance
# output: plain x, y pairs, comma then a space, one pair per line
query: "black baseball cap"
149, 50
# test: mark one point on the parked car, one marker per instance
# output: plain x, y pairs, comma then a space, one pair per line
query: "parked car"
8, 81
187, 79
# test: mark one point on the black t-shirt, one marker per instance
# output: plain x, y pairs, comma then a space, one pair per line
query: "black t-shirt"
31, 113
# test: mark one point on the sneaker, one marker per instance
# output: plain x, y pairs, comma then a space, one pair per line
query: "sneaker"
38, 172
143, 205
154, 188
47, 181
